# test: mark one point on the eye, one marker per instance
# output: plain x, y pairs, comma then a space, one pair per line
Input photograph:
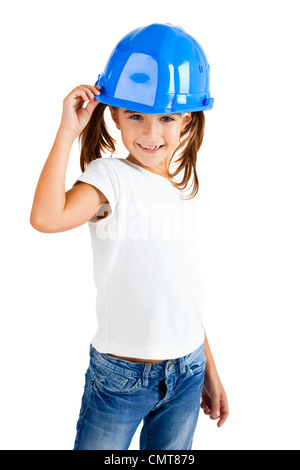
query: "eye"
167, 119
135, 117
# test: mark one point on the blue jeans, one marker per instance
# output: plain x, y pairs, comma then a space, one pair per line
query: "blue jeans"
119, 394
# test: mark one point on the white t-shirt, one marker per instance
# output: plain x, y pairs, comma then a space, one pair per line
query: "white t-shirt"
146, 264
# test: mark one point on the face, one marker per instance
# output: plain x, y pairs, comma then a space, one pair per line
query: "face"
150, 138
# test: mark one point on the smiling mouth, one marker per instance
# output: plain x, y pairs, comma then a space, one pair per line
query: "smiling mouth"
150, 149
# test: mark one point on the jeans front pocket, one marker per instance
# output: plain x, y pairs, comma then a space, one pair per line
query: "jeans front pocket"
112, 382
113, 377
116, 383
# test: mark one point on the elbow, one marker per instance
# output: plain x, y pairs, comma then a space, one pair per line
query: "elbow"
40, 224
37, 224
46, 225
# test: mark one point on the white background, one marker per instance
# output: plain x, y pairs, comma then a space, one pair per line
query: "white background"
249, 186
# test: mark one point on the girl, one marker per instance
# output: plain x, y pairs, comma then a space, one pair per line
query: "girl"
147, 360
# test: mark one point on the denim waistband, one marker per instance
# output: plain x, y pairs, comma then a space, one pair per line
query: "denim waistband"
137, 369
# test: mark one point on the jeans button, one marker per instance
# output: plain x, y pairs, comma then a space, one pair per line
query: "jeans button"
171, 366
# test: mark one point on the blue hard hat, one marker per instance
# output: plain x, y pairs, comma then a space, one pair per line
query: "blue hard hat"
157, 69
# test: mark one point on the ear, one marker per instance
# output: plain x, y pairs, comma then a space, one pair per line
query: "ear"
114, 115
187, 118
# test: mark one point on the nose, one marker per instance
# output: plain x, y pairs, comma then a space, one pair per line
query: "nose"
151, 130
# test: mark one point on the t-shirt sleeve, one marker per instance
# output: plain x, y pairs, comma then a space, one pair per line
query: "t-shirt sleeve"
102, 175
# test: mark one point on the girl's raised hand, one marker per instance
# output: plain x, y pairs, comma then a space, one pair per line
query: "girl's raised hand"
74, 116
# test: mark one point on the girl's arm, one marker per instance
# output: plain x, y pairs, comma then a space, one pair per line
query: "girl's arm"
214, 399
53, 209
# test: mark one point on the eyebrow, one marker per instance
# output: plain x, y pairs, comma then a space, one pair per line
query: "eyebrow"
127, 111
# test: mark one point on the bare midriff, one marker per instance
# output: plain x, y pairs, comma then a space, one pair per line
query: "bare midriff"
133, 359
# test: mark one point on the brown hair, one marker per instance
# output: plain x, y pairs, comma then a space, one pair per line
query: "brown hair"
95, 139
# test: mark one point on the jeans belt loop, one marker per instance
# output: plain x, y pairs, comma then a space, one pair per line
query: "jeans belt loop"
146, 372
182, 365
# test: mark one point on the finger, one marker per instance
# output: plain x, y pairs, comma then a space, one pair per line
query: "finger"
205, 405
88, 93
222, 419
207, 410
80, 93
224, 413
90, 90
215, 412
91, 106
214, 415
80, 99
205, 401
91, 87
